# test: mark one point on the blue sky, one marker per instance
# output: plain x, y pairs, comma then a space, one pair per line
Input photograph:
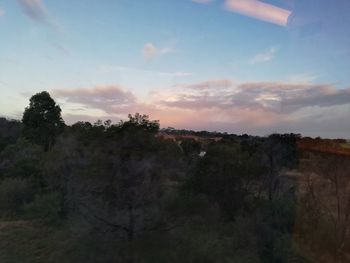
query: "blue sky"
104, 59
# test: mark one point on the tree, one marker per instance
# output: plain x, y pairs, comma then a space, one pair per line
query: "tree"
280, 152
9, 132
42, 120
116, 180
139, 122
21, 160
225, 175
326, 204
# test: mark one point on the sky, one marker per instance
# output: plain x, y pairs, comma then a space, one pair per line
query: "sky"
237, 66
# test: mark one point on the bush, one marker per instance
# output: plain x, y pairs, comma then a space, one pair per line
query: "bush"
21, 160
46, 207
14, 193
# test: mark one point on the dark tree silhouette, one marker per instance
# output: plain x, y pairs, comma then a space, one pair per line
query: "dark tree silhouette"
42, 120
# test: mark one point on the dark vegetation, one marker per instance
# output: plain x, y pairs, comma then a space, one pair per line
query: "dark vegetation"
108, 192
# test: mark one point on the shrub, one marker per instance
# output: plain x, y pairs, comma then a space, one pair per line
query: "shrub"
45, 207
14, 193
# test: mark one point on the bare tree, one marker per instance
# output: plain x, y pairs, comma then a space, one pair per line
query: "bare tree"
328, 190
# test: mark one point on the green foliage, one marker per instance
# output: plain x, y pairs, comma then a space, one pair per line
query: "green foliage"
108, 192
42, 121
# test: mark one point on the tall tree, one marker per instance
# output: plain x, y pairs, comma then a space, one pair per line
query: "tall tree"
42, 120
280, 152
117, 179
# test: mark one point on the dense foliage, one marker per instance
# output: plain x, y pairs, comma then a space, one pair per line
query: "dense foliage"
42, 120
108, 192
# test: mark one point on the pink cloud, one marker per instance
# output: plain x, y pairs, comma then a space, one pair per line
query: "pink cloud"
109, 99
259, 10
149, 51
222, 105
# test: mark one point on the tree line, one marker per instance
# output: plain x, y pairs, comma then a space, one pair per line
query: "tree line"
107, 192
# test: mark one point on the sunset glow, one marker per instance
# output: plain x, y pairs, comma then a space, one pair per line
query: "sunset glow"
227, 65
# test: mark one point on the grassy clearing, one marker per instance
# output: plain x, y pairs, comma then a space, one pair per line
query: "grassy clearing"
21, 241
27, 242
345, 145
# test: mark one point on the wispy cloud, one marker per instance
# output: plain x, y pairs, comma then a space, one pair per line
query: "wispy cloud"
181, 74
167, 50
61, 48
264, 56
209, 84
106, 68
259, 10
110, 99
302, 78
202, 1
150, 51
37, 11
2, 12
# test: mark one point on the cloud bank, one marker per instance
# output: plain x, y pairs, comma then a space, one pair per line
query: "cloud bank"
224, 105
109, 99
